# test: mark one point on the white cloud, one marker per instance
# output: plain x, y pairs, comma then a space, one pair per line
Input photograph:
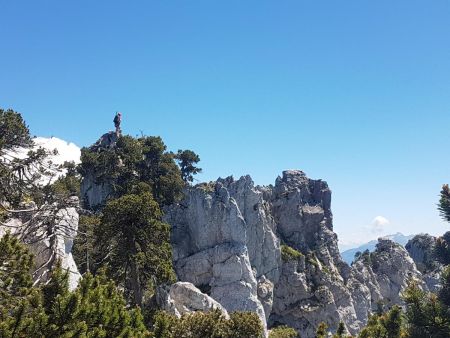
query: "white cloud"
378, 224
67, 151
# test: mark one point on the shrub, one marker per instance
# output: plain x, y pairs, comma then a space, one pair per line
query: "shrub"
289, 254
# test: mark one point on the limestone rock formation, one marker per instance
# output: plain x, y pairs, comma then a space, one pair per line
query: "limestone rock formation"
226, 239
420, 248
386, 272
313, 288
94, 192
49, 232
209, 235
181, 298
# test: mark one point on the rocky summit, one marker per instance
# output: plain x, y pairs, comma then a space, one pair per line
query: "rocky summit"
265, 249
272, 250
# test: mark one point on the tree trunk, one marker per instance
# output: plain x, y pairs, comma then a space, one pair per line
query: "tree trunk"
135, 283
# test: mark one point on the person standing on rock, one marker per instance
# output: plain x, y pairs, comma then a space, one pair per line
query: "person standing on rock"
117, 121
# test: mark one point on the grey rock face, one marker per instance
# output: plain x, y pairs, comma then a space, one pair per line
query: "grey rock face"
226, 240
106, 141
209, 235
33, 227
93, 192
312, 289
386, 272
420, 248
181, 298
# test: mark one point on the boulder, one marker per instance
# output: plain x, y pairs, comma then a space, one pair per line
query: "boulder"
181, 298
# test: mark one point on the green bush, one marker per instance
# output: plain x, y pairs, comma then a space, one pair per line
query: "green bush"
283, 332
208, 325
289, 254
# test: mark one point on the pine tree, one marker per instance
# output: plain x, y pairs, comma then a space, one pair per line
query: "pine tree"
444, 203
21, 311
322, 330
392, 321
426, 315
187, 160
13, 131
283, 332
211, 324
134, 244
95, 309
19, 176
340, 332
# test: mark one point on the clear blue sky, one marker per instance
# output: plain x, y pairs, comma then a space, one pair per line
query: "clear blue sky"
354, 92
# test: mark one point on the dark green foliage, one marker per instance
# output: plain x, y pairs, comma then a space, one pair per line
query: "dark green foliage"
442, 248
21, 313
69, 184
95, 309
426, 315
83, 249
159, 170
283, 332
393, 322
340, 332
187, 160
444, 203
388, 325
134, 244
322, 330
210, 324
15, 266
444, 292
63, 187
289, 254
164, 325
373, 329
13, 131
134, 161
17, 175
244, 325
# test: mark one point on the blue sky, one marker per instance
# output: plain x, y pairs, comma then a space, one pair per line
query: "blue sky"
352, 92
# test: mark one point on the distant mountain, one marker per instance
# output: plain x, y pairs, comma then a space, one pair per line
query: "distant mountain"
65, 152
349, 255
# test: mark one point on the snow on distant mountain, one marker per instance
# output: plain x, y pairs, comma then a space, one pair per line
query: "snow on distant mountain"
349, 255
65, 152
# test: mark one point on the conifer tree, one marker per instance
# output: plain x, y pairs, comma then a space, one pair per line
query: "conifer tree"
444, 203
134, 244
21, 311
322, 330
19, 175
187, 160
95, 309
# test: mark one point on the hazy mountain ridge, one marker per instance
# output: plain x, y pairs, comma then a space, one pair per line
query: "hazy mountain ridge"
349, 255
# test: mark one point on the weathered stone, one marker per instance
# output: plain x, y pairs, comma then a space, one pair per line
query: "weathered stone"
420, 248
181, 298
93, 192
33, 227
226, 240
386, 272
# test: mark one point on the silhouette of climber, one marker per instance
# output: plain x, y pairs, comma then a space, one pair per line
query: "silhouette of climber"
117, 121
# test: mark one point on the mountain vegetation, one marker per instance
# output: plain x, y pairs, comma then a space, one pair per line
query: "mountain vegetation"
123, 246
124, 252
